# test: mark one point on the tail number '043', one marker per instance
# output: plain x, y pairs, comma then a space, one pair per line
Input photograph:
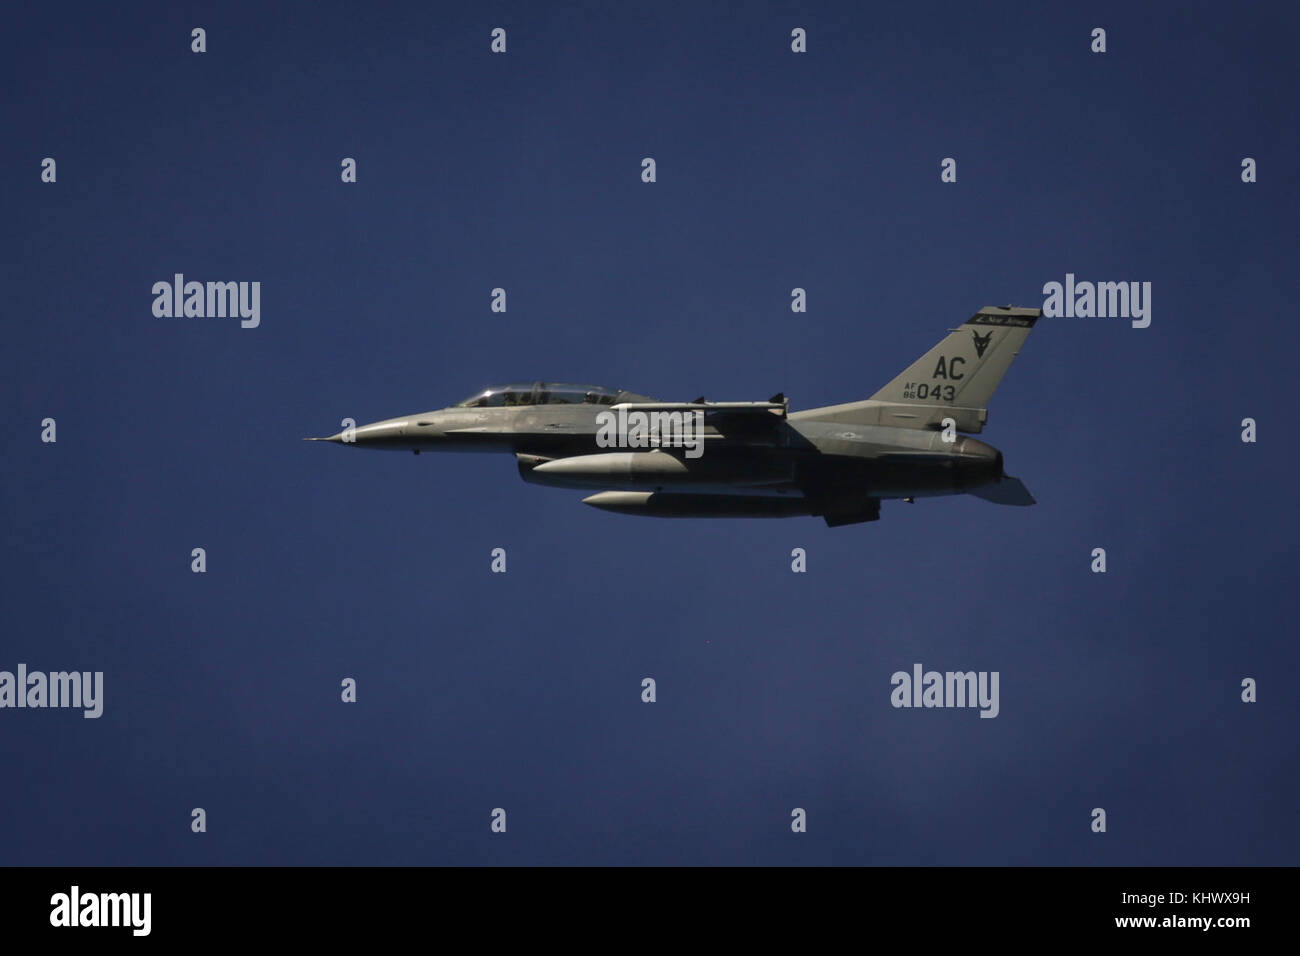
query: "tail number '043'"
923, 390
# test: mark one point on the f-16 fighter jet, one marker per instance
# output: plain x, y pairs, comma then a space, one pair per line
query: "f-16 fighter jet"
706, 459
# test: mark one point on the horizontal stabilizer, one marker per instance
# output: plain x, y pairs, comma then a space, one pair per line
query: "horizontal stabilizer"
1008, 491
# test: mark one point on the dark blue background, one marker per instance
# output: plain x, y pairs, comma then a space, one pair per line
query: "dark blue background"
522, 691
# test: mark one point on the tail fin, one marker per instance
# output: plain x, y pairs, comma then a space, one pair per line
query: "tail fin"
966, 367
955, 379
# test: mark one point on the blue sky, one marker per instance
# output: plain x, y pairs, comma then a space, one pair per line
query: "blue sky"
522, 691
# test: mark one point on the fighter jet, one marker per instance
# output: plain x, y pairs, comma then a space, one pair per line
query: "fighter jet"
706, 459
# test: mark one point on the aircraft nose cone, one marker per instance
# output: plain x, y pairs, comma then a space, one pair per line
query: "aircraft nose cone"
379, 433
391, 433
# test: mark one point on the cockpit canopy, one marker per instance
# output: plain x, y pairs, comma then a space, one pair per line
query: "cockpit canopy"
540, 393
